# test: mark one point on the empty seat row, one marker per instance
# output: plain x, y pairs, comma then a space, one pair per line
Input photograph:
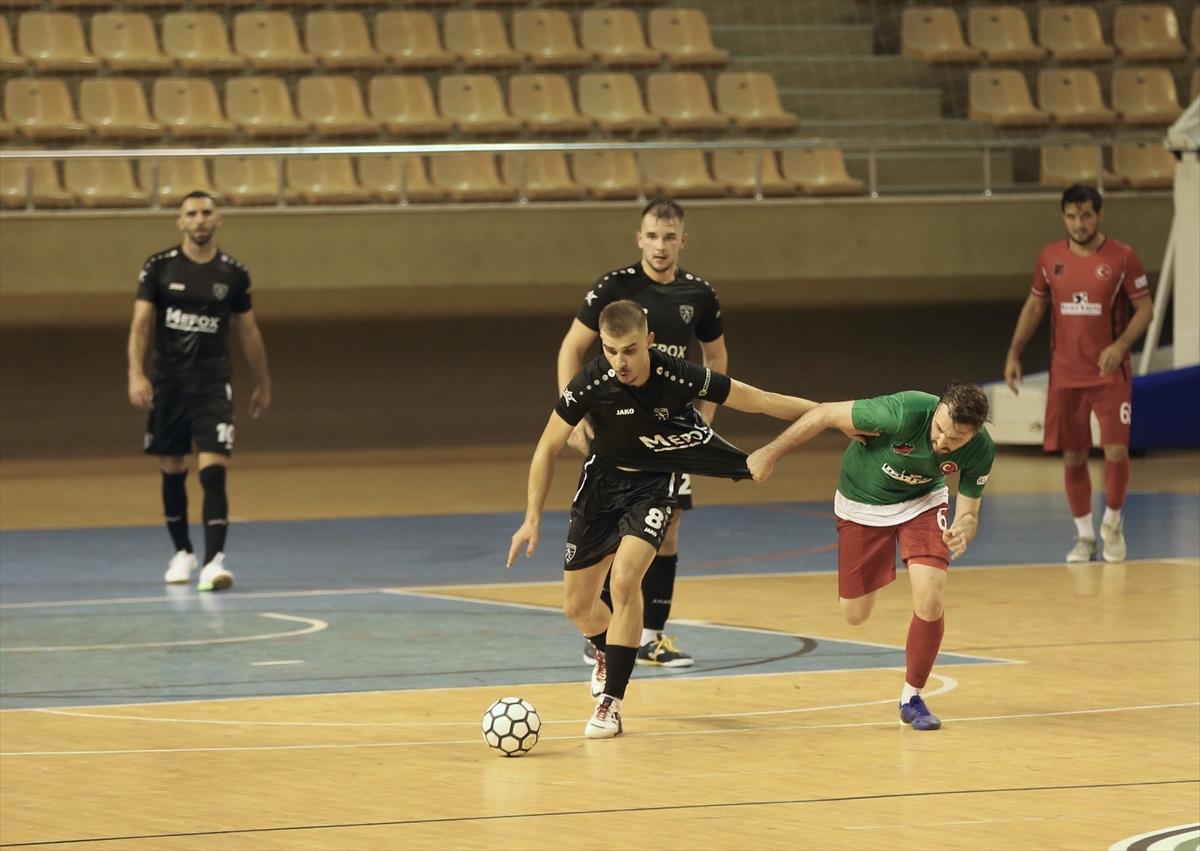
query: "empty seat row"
1066, 33
298, 4
269, 41
261, 107
1140, 166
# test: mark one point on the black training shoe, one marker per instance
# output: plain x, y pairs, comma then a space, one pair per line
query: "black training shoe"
662, 651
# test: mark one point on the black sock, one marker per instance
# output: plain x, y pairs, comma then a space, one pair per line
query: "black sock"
658, 587
599, 641
175, 508
216, 510
620, 661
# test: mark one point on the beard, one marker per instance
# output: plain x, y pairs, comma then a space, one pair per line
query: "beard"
1090, 235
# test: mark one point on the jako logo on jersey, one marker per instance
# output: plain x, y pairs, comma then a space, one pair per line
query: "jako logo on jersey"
902, 448
177, 287
1080, 306
624, 412
568, 397
949, 467
668, 442
907, 478
1103, 272
220, 291
686, 312
673, 351
177, 320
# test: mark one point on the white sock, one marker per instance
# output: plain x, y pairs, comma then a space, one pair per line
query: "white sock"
1083, 526
648, 635
1112, 516
908, 693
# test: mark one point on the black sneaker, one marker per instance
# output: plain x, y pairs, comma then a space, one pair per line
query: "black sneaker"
662, 651
589, 653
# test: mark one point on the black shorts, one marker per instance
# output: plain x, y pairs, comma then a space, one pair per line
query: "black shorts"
183, 415
611, 504
683, 494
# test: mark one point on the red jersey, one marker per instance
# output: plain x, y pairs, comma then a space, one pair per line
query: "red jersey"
1089, 307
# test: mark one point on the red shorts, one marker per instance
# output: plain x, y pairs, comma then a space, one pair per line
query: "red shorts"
867, 554
1068, 416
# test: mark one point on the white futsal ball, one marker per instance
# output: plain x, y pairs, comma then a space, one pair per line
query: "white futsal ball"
511, 726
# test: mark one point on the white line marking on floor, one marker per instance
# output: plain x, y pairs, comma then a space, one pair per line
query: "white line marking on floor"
314, 625
279, 662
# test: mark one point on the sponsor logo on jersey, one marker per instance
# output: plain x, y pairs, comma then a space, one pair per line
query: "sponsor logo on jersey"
220, 291
568, 397
1141, 283
1059, 268
907, 478
670, 442
673, 351
624, 412
902, 448
177, 320
686, 311
177, 286
948, 467
570, 553
1080, 306
662, 413
1103, 272
981, 481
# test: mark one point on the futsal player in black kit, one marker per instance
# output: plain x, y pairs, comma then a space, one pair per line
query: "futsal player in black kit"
188, 295
681, 308
646, 434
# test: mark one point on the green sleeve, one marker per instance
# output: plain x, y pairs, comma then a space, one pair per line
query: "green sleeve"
978, 467
884, 414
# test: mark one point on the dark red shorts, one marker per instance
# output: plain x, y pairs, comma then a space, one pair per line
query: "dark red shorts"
867, 554
1068, 416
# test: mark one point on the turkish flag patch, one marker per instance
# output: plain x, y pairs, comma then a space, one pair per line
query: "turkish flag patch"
949, 467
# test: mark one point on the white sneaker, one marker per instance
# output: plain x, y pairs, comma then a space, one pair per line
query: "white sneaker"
215, 577
599, 674
1084, 550
181, 567
1113, 535
606, 720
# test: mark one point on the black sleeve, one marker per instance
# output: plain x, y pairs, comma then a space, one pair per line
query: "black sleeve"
708, 326
148, 282
705, 384
241, 301
599, 296
572, 404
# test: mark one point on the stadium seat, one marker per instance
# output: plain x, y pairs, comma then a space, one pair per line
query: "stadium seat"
156, 4
470, 177
410, 40
430, 2
334, 106
752, 101
1145, 96
10, 61
1145, 165
47, 189
262, 108
250, 181
405, 106
1002, 97
176, 177
935, 35
381, 175
188, 107
5, 5
197, 41
107, 182
615, 37
1196, 32
820, 171
53, 43
545, 104
7, 130
1072, 34
547, 39
476, 106
40, 108
546, 176
1068, 164
270, 42
682, 100
614, 102
1142, 33
681, 174
116, 109
1002, 33
341, 42
736, 168
607, 175
326, 180
683, 36
1072, 97
478, 39
14, 187
126, 43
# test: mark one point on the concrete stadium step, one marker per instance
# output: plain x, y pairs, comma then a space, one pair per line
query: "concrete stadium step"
874, 104
945, 129
841, 72
751, 40
781, 12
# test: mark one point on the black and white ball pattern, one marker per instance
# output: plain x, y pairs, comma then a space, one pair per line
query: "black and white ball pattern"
511, 726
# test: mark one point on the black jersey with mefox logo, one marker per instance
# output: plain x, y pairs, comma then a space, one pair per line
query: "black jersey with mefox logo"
654, 427
195, 302
677, 312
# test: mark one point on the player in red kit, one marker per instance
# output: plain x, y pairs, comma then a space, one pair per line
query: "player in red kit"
1090, 282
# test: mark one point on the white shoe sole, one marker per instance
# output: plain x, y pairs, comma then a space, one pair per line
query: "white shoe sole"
219, 583
593, 731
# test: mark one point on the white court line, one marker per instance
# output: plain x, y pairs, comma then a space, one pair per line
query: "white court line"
278, 662
314, 625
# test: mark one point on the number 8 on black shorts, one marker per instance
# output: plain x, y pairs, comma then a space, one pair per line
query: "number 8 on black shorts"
611, 504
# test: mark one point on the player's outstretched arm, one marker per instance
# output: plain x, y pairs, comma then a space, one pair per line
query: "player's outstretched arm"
541, 474
141, 393
570, 360
716, 358
826, 415
256, 353
743, 397
966, 524
1027, 323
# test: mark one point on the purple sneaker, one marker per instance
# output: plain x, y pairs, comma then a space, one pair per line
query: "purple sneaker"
916, 713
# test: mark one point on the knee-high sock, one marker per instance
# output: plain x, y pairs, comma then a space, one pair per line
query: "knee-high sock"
1079, 489
924, 641
620, 661
216, 510
175, 509
658, 587
1116, 483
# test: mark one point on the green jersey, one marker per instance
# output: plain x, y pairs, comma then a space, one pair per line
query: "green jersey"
896, 476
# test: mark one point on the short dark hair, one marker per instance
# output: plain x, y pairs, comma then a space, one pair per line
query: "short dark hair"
663, 208
1080, 194
967, 403
622, 317
198, 193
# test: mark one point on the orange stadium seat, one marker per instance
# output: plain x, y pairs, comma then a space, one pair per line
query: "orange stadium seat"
1145, 96
47, 189
1073, 34
1072, 97
683, 36
197, 41
382, 176
107, 182
737, 169
190, 109
545, 104
334, 106
270, 42
1068, 164
410, 40
1144, 165
614, 102
171, 178
7, 130
682, 100
681, 174
547, 39
250, 181
155, 4
607, 175
10, 61
820, 171
405, 106
341, 42
470, 177
478, 39
53, 43
935, 35
546, 176
262, 108
430, 2
1002, 97
116, 109
752, 101
326, 180
1143, 33
476, 106
126, 43
615, 37
41, 109
1002, 33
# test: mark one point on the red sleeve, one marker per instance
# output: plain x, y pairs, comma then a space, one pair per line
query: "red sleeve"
1041, 276
1136, 284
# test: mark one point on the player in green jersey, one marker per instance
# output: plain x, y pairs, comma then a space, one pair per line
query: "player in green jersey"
893, 489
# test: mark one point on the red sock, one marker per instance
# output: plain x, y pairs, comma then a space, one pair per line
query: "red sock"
1079, 489
924, 641
1116, 483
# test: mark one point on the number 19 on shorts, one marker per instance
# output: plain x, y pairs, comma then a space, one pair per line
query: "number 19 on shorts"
225, 435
